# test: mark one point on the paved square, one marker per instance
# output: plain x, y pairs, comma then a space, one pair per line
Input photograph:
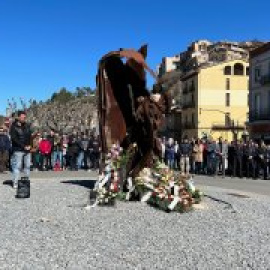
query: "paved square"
52, 230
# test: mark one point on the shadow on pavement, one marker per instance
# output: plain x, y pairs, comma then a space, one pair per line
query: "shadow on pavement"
84, 183
8, 183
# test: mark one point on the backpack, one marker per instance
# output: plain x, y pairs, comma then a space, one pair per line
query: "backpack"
23, 190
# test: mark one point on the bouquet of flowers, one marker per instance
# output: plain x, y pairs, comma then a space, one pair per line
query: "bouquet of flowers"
110, 183
106, 196
159, 186
168, 191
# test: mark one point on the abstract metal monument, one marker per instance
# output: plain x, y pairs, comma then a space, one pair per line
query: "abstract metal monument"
129, 119
128, 113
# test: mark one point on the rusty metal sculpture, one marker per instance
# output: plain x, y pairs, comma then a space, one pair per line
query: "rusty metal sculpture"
128, 113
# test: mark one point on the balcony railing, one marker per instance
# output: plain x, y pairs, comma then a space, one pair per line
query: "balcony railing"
263, 116
227, 126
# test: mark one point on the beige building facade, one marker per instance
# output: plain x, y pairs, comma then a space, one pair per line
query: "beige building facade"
168, 64
195, 55
215, 100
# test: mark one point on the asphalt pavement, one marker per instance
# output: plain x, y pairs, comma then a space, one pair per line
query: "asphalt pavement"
52, 230
244, 185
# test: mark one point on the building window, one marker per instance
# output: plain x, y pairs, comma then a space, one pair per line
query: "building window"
185, 88
228, 84
257, 105
228, 102
247, 71
193, 119
238, 69
192, 87
257, 74
228, 70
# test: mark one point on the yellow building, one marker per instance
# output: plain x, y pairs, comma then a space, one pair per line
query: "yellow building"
215, 100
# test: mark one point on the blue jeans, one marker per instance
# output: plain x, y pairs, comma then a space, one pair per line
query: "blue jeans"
80, 160
212, 164
57, 155
19, 158
170, 162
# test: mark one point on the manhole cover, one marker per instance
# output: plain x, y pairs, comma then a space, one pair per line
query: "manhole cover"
238, 195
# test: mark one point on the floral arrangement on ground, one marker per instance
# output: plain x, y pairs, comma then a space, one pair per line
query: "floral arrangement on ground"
159, 186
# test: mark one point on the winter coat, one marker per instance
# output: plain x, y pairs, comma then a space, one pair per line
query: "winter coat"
169, 152
83, 144
239, 150
185, 149
198, 149
45, 147
212, 150
73, 146
4, 143
250, 151
20, 134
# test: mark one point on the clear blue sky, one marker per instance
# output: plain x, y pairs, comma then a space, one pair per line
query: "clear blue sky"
47, 44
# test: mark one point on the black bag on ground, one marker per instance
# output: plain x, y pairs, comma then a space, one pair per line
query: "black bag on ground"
23, 190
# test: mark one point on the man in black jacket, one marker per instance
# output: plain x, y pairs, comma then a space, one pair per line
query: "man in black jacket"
262, 160
20, 134
83, 154
4, 150
266, 159
185, 151
231, 154
73, 151
250, 153
212, 157
238, 159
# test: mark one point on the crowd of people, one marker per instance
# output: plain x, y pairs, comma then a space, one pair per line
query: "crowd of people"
49, 150
21, 148
60, 152
210, 157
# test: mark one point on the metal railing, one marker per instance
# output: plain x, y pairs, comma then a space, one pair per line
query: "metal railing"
228, 126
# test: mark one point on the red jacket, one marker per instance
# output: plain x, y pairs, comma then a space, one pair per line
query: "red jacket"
45, 147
